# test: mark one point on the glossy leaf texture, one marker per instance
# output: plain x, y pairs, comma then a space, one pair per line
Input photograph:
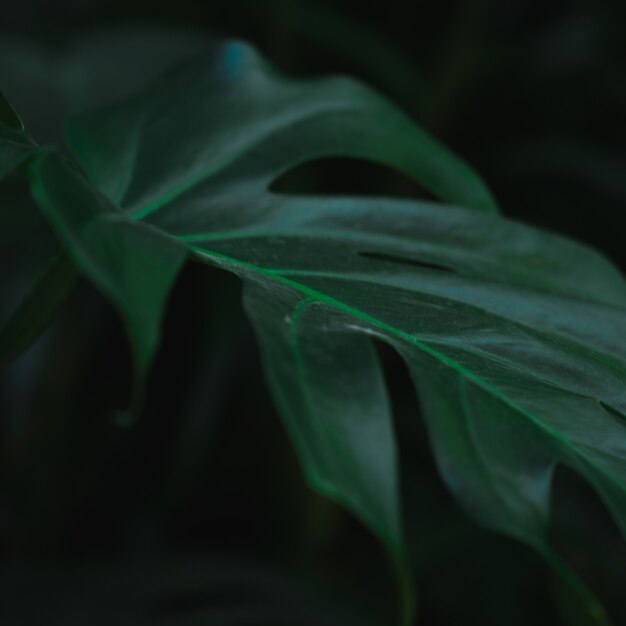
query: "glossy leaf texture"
198, 152
512, 335
229, 117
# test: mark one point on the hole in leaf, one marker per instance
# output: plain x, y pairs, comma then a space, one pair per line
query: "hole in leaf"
349, 176
390, 258
613, 411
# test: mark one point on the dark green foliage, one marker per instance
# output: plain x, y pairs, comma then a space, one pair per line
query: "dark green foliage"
508, 332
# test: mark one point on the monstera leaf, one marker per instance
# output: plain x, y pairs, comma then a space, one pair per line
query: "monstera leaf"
512, 335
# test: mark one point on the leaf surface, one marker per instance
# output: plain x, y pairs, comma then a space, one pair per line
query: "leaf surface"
513, 355
513, 336
228, 117
117, 254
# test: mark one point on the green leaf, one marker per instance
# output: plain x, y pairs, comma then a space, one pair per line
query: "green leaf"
513, 355
228, 117
94, 70
133, 264
509, 332
237, 127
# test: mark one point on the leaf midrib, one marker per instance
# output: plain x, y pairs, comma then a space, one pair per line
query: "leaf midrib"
457, 367
362, 238
601, 358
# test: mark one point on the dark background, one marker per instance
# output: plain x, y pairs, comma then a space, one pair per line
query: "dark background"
198, 514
